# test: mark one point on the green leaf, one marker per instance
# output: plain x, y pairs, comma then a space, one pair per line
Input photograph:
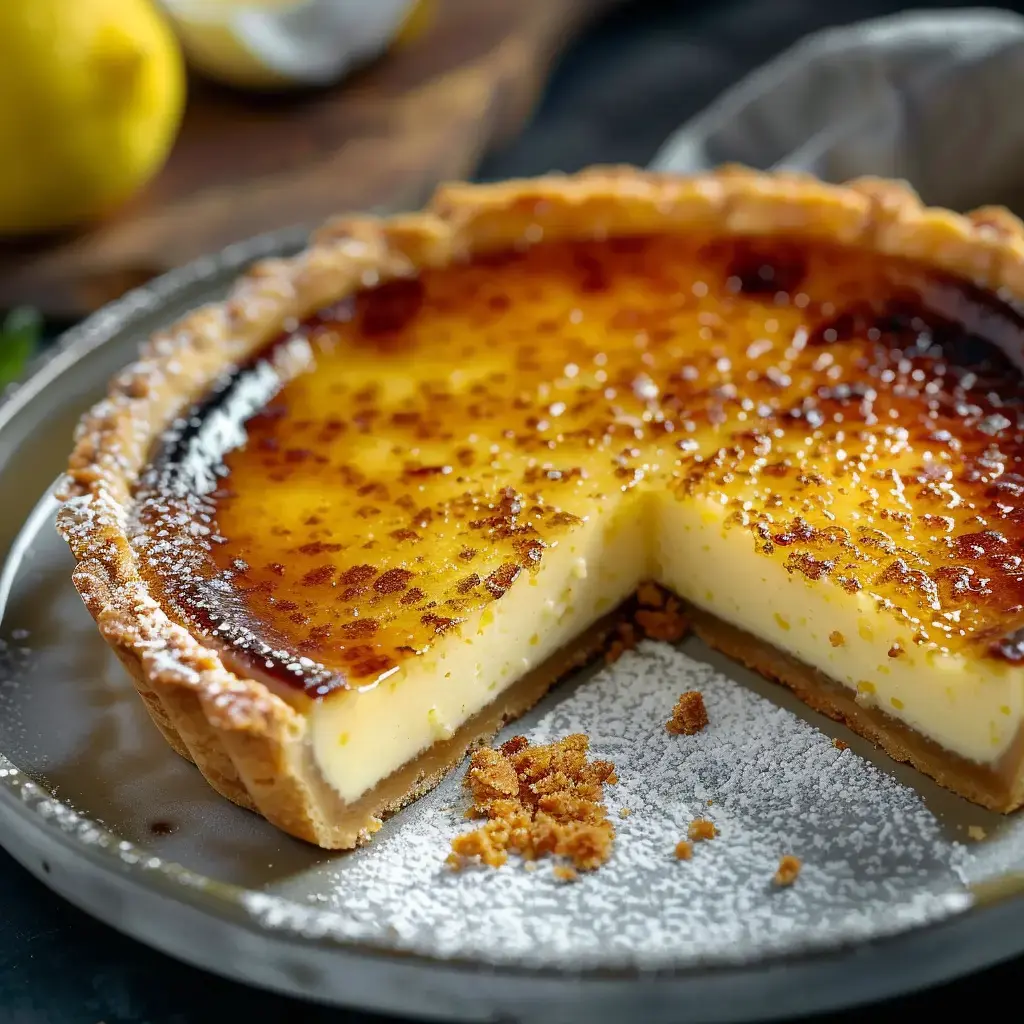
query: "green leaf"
19, 337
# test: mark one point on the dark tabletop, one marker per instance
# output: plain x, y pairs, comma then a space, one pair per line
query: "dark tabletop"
617, 94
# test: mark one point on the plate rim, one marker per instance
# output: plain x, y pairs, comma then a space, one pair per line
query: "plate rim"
22, 800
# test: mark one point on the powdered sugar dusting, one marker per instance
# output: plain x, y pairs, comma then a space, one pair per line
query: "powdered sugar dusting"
874, 859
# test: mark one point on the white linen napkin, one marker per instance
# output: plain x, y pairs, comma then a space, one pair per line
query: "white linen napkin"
933, 98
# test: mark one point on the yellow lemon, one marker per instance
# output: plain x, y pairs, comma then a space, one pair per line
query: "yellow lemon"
91, 95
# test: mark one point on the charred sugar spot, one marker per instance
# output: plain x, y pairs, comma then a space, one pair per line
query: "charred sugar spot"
393, 581
357, 574
317, 637
593, 272
468, 583
767, 270
562, 518
359, 628
391, 307
318, 547
977, 545
318, 576
809, 566
799, 531
439, 624
531, 550
502, 578
907, 581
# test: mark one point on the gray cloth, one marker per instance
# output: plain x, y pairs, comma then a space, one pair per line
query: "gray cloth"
933, 98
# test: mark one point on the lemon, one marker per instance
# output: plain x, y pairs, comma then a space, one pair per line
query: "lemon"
91, 95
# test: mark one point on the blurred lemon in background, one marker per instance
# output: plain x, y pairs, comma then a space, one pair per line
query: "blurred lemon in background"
282, 44
91, 95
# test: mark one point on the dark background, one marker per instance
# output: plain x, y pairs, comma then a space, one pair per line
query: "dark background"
617, 94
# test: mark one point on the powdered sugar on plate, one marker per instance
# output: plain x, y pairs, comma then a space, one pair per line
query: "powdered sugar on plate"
874, 859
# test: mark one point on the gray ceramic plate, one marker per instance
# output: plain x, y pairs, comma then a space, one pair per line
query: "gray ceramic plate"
94, 804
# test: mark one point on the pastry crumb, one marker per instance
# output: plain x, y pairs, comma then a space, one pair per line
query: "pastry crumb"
625, 812
650, 595
537, 800
668, 624
684, 850
840, 744
711, 803
689, 715
787, 871
657, 616
565, 874
700, 829
625, 639
976, 832
836, 639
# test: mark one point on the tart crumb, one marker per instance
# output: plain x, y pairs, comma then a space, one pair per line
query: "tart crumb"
537, 800
650, 595
689, 715
565, 874
787, 871
625, 639
657, 616
700, 829
668, 624
836, 639
625, 812
976, 832
840, 744
684, 850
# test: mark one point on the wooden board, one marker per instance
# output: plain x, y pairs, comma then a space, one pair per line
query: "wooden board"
245, 164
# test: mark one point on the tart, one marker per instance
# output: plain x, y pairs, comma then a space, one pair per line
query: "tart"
343, 525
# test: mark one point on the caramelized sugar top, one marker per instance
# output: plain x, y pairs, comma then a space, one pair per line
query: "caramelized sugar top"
399, 461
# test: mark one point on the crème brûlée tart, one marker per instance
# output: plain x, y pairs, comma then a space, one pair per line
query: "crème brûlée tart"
344, 524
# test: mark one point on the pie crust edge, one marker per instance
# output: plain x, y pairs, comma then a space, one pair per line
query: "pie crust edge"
248, 742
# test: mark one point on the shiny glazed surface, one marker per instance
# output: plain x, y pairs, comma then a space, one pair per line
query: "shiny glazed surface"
404, 459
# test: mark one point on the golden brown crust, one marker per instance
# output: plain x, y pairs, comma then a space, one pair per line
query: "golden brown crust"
247, 741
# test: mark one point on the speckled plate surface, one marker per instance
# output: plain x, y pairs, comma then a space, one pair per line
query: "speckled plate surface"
894, 894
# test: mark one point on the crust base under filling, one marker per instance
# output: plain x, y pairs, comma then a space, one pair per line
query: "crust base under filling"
186, 728
996, 787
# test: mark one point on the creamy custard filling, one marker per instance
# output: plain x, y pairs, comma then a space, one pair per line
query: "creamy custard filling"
360, 738
424, 492
971, 708
974, 710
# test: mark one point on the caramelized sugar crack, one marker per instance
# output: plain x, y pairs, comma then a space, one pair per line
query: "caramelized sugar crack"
538, 800
400, 462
